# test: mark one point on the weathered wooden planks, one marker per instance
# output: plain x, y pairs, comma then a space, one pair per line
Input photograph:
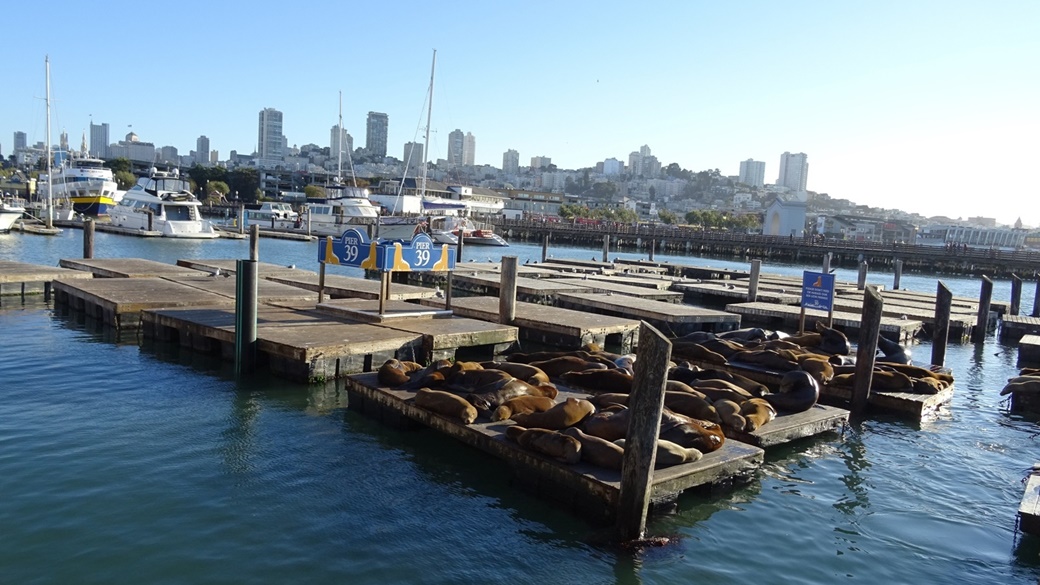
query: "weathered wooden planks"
896, 329
17, 278
673, 319
1013, 327
344, 287
1029, 509
1029, 350
789, 427
127, 267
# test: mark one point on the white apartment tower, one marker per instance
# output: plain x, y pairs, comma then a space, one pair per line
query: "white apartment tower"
340, 142
752, 173
469, 150
202, 150
413, 158
270, 142
794, 169
99, 140
511, 161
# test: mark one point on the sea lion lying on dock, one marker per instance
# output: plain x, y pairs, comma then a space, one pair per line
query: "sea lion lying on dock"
562, 415
550, 443
1022, 385
748, 334
446, 404
431, 376
525, 372
394, 373
892, 351
798, 392
522, 405
597, 451
692, 404
692, 375
558, 366
697, 352
880, 380
491, 396
825, 339
615, 380
670, 454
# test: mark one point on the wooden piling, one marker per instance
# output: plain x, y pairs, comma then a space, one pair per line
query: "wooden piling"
1036, 296
545, 248
1016, 294
869, 329
752, 290
507, 291
827, 263
447, 291
646, 402
861, 281
88, 238
254, 243
899, 274
321, 282
309, 223
246, 272
982, 319
941, 335
606, 247
653, 246
461, 245
241, 218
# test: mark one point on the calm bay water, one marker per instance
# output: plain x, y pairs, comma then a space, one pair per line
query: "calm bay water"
125, 461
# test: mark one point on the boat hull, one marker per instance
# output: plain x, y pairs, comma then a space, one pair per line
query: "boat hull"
8, 217
98, 206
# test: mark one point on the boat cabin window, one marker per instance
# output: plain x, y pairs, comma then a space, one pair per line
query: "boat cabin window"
178, 213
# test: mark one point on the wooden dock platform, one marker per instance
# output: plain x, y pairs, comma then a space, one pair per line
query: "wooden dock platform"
785, 428
17, 278
1029, 350
552, 325
229, 266
901, 330
1029, 509
1013, 327
588, 490
723, 291
541, 291
593, 285
684, 270
127, 268
350, 287
674, 319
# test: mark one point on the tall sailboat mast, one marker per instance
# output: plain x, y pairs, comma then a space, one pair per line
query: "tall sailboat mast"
47, 146
339, 140
429, 114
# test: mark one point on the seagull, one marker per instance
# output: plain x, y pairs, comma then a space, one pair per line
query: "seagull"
291, 267
215, 273
437, 292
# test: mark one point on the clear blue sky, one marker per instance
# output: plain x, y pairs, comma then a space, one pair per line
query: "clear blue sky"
928, 106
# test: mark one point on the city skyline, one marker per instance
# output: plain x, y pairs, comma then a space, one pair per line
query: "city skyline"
921, 107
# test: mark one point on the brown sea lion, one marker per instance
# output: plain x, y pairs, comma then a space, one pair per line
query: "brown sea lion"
1029, 372
473, 380
552, 444
721, 390
893, 352
394, 373
693, 405
832, 340
677, 386
729, 413
541, 356
522, 405
1022, 385
525, 372
462, 366
559, 366
446, 404
770, 359
597, 451
702, 435
799, 391
613, 380
781, 344
917, 372
608, 425
757, 412
491, 396
562, 415
927, 385
670, 454
603, 400
724, 347
691, 376
819, 367
748, 334
431, 376
697, 353
880, 380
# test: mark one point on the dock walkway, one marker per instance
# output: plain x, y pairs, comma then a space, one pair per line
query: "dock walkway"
895, 329
674, 319
17, 278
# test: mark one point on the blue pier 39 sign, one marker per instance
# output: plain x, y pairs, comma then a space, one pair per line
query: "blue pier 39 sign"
353, 248
817, 291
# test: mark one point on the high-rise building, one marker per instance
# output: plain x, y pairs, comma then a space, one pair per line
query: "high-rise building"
794, 169
456, 146
202, 150
413, 158
376, 133
538, 162
612, 166
270, 141
168, 154
469, 150
340, 141
752, 173
19, 141
99, 140
511, 161
63, 141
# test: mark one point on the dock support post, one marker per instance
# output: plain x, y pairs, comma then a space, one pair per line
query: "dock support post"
861, 282
982, 319
606, 246
245, 316
653, 246
309, 222
447, 292
507, 291
1036, 296
899, 274
869, 329
88, 239
647, 403
151, 220
752, 289
384, 291
321, 282
545, 248
941, 335
241, 218
462, 245
827, 263
254, 242
1016, 294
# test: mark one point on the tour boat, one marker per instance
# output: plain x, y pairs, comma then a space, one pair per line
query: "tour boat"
472, 232
163, 202
87, 183
11, 210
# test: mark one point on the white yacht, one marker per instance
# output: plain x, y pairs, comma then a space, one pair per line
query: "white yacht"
163, 202
278, 215
342, 208
11, 210
471, 231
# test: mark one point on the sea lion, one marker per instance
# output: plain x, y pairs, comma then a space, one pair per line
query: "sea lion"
746, 334
917, 372
729, 414
691, 376
694, 337
725, 347
697, 352
832, 340
463, 366
540, 356
562, 415
927, 385
818, 366
670, 454
597, 451
770, 359
880, 380
394, 373
702, 435
608, 425
525, 372
692, 404
799, 391
615, 380
431, 376
626, 363
757, 412
892, 351
558, 366
522, 405
780, 344
475, 380
603, 400
446, 404
1022, 385
552, 444
721, 390
491, 396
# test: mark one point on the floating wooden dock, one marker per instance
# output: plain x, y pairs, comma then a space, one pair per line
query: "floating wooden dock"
552, 325
722, 291
1013, 327
541, 291
1029, 350
785, 428
675, 319
684, 270
349, 287
17, 278
604, 286
901, 330
127, 268
588, 490
1029, 509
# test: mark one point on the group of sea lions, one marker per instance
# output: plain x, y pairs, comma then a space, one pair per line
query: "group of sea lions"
822, 354
1026, 383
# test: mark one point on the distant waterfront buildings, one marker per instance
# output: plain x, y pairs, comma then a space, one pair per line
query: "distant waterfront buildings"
19, 141
540, 162
412, 157
456, 145
794, 170
612, 166
376, 132
270, 141
339, 142
511, 162
469, 150
202, 150
99, 140
752, 173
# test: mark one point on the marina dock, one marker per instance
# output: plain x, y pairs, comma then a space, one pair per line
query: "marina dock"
785, 428
17, 278
1029, 350
896, 329
674, 319
1029, 509
1013, 327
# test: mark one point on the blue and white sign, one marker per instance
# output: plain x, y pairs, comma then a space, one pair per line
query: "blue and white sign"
353, 248
817, 291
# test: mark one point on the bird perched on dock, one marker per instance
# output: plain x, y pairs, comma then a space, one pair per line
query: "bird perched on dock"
291, 267
219, 272
437, 292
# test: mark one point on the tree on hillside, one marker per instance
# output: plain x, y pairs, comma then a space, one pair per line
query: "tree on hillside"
245, 182
314, 192
667, 217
